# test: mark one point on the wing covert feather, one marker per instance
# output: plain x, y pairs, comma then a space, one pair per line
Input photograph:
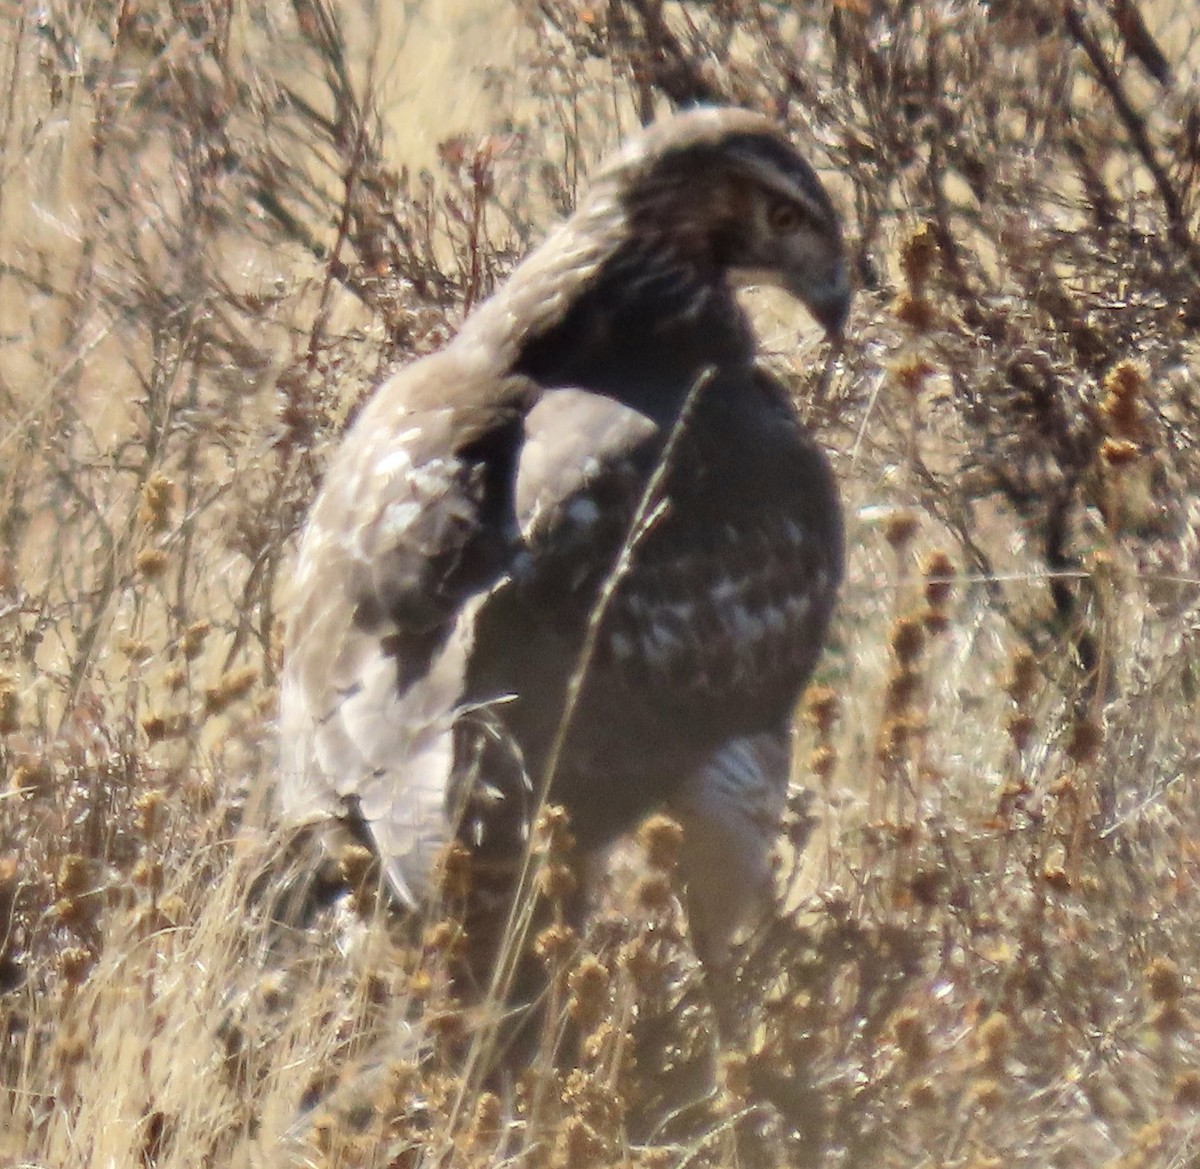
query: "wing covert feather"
404, 540
581, 468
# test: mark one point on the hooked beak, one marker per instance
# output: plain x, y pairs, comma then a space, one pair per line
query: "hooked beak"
829, 303
828, 300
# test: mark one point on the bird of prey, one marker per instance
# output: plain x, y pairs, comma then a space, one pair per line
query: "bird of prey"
588, 546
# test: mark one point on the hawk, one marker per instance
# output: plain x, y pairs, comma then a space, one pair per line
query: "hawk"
587, 551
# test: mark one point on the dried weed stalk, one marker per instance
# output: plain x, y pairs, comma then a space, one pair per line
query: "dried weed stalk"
987, 952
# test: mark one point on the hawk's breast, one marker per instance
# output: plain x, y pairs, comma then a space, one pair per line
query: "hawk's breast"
740, 614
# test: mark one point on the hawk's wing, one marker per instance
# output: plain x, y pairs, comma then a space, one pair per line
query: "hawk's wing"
412, 524
580, 475
426, 509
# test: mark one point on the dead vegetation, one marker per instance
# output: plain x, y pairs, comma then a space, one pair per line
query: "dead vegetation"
987, 953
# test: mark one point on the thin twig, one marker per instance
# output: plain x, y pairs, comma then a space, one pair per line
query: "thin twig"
1135, 126
652, 506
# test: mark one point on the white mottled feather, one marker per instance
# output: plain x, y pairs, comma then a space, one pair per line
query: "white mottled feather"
351, 739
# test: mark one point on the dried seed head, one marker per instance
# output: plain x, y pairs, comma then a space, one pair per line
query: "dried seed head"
1169, 1019
735, 1075
455, 868
10, 706
914, 311
355, 865
894, 738
33, 776
912, 373
600, 1042
910, 1036
923, 1096
160, 727
1085, 742
486, 1122
1185, 1090
1024, 678
446, 938
1119, 452
917, 256
903, 686
1124, 386
78, 912
192, 642
157, 496
1056, 877
75, 963
448, 1028
272, 990
594, 1101
557, 882
229, 689
74, 875
899, 529
661, 838
577, 1146
420, 986
556, 945
72, 1045
136, 651
653, 892
148, 811
1020, 729
151, 562
147, 874
822, 708
822, 763
588, 984
1164, 983
987, 1094
642, 963
938, 570
171, 911
926, 886
908, 640
553, 831
995, 1036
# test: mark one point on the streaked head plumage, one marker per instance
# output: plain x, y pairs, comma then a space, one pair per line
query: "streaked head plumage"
728, 190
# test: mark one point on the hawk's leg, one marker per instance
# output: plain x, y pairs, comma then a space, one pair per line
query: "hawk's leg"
730, 809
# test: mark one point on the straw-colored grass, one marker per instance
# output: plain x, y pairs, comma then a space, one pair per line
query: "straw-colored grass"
220, 224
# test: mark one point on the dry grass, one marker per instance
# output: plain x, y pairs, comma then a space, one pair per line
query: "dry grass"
986, 955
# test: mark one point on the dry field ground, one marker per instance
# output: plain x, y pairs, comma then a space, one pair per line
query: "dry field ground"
221, 221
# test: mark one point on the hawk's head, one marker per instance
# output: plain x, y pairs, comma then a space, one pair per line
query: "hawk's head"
725, 191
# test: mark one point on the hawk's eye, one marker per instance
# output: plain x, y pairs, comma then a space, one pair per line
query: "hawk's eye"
784, 217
